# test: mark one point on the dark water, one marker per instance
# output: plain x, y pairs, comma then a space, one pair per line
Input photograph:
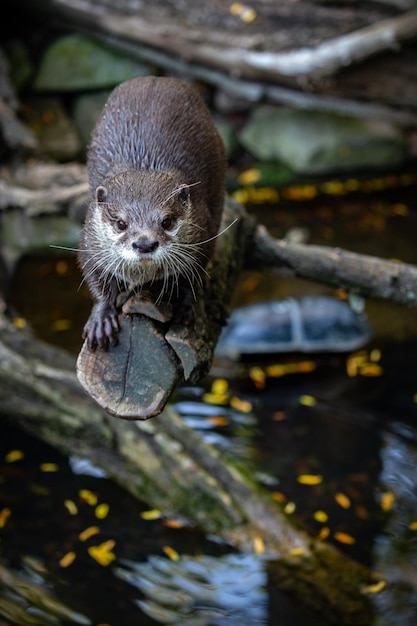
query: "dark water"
333, 438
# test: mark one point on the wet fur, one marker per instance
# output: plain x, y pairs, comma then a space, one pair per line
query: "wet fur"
155, 160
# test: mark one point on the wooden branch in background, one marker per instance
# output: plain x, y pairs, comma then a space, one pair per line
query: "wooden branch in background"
358, 274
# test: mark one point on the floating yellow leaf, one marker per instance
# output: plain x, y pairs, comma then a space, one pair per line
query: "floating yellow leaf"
236, 8
248, 15
67, 559
321, 516
371, 369
4, 516
151, 514
19, 322
387, 500
240, 405
220, 385
103, 552
300, 192
259, 545
298, 551
88, 496
62, 324
218, 420
171, 553
375, 355
248, 177
49, 467
310, 479
307, 400
88, 532
173, 523
279, 497
344, 538
342, 500
215, 398
257, 374
412, 525
61, 267
375, 588
289, 508
361, 512
324, 533
102, 510
14, 455
71, 507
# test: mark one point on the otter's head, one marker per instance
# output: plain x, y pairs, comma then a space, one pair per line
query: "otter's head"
142, 223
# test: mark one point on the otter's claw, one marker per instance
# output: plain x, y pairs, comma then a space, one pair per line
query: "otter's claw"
101, 328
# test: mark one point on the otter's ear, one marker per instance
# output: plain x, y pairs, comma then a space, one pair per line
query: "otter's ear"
101, 194
185, 195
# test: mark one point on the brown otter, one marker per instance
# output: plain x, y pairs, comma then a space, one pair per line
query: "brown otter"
156, 167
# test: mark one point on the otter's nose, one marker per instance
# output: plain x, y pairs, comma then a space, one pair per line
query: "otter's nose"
145, 245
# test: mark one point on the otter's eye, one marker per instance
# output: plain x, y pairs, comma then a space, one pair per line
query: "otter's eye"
120, 225
167, 223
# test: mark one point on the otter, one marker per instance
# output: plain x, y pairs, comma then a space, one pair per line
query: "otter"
156, 166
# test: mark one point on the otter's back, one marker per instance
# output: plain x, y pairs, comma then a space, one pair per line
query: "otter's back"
160, 124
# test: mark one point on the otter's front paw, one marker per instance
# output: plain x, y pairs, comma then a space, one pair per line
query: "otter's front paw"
102, 327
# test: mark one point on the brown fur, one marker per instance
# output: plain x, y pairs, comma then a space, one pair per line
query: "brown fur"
156, 168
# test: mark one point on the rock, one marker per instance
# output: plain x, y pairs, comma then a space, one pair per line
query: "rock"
55, 132
227, 133
86, 110
315, 142
77, 62
311, 324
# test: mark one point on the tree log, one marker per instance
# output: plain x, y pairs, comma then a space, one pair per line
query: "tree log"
166, 464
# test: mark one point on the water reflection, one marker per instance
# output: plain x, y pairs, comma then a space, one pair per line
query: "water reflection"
201, 590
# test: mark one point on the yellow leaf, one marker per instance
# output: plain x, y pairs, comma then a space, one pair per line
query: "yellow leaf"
4, 516
220, 385
102, 510
310, 479
289, 508
151, 515
19, 322
248, 177
171, 553
412, 525
14, 455
387, 500
174, 523
218, 420
67, 559
71, 507
344, 538
240, 405
321, 516
307, 400
324, 533
49, 467
342, 500
88, 496
371, 369
258, 545
88, 532
375, 588
215, 398
103, 552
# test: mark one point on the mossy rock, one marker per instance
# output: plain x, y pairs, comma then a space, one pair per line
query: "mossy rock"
77, 62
